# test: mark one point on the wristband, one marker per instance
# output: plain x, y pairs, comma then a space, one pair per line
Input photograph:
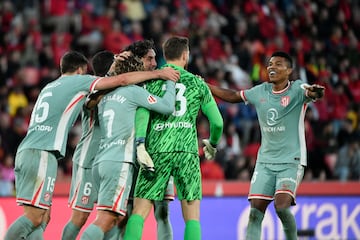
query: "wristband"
139, 141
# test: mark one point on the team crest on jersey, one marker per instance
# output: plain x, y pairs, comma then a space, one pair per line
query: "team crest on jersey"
285, 186
85, 200
47, 197
285, 100
151, 99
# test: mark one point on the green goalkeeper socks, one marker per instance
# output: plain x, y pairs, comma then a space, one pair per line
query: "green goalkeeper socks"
192, 230
134, 227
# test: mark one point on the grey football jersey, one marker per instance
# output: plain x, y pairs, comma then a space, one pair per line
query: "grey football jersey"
90, 138
281, 119
56, 109
117, 119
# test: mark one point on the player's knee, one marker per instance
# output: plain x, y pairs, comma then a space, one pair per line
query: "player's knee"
283, 200
80, 219
256, 216
35, 215
283, 213
47, 219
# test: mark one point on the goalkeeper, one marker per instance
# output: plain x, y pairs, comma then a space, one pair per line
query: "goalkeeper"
172, 143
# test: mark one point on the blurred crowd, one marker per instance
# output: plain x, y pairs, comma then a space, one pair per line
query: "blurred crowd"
231, 41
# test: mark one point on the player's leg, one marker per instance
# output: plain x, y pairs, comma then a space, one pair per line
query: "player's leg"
113, 233
83, 195
146, 191
256, 216
112, 197
187, 177
261, 193
122, 224
39, 231
191, 215
26, 224
72, 228
29, 165
103, 223
288, 180
162, 215
130, 204
135, 224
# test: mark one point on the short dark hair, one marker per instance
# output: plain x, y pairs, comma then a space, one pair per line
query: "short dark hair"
141, 48
174, 47
284, 55
101, 62
131, 64
71, 61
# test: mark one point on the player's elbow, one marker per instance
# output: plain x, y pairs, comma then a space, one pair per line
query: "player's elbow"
169, 109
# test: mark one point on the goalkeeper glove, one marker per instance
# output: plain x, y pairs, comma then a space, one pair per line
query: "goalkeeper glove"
209, 149
143, 156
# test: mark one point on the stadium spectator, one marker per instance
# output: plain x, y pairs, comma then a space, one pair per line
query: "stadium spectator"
7, 176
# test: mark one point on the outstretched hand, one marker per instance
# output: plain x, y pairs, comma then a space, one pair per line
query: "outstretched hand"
317, 89
122, 56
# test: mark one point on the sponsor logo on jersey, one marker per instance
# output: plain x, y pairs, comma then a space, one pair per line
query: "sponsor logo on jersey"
151, 99
285, 100
168, 125
111, 144
272, 117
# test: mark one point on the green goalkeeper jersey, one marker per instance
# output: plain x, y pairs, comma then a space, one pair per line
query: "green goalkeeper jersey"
177, 132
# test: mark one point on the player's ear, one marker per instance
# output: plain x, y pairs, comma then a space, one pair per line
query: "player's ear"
289, 71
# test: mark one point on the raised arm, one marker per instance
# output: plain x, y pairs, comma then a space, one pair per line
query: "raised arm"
227, 95
129, 78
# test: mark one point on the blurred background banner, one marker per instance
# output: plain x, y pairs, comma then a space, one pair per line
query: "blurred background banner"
330, 210
330, 217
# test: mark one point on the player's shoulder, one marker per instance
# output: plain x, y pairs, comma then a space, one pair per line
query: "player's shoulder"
264, 86
195, 78
299, 84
